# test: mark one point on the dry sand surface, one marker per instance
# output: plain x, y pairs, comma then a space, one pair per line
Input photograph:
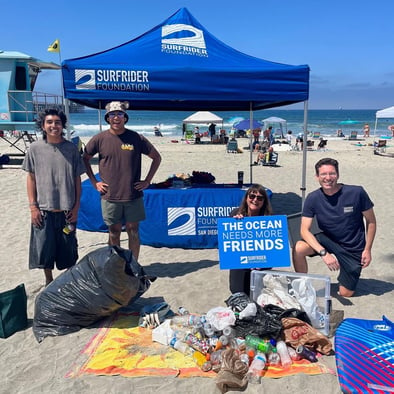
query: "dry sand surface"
190, 278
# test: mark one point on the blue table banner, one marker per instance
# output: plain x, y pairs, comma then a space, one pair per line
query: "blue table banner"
175, 217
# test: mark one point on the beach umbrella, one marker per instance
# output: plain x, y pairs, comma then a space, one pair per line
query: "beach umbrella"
245, 125
348, 122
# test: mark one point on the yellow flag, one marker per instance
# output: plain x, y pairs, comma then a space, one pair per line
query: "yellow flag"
54, 47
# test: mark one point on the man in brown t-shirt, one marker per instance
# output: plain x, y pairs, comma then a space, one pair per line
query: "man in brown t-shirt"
120, 151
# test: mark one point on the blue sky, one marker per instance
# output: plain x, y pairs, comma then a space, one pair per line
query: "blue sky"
348, 44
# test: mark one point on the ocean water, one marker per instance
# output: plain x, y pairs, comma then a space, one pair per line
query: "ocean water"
327, 122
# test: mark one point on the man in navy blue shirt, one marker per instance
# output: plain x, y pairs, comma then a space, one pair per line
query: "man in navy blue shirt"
346, 218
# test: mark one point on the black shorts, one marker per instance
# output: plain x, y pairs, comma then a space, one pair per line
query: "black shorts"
50, 245
349, 262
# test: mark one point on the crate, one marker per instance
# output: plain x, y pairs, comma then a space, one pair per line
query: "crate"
320, 283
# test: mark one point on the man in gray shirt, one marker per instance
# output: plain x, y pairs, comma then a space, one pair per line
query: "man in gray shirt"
54, 167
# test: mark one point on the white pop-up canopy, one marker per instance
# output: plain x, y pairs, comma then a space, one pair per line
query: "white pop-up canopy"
203, 117
276, 122
386, 113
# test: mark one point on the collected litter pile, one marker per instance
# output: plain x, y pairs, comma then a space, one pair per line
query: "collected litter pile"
240, 340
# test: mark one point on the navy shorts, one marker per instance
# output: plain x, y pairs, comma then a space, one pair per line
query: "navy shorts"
349, 262
50, 245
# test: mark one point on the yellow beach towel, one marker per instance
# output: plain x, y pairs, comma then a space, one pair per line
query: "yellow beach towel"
123, 348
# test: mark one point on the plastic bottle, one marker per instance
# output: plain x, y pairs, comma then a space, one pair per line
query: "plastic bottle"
244, 357
273, 358
256, 367
188, 320
293, 354
284, 355
181, 346
306, 353
183, 311
208, 330
197, 344
260, 344
215, 357
228, 332
251, 352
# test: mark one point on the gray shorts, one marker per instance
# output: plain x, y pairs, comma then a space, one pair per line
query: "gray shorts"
50, 245
123, 212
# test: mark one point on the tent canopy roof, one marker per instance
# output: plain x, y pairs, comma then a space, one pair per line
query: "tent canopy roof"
203, 117
274, 119
179, 65
385, 113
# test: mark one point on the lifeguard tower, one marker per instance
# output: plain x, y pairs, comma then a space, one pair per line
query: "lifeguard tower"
18, 103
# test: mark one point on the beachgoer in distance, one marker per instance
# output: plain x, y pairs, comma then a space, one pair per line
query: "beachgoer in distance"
54, 166
157, 132
197, 135
391, 128
267, 135
212, 130
300, 141
345, 242
256, 139
289, 137
366, 130
254, 203
120, 153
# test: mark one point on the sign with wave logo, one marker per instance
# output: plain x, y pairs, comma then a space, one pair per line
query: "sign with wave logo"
183, 39
181, 221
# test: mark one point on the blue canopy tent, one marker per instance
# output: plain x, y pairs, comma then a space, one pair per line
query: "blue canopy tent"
179, 65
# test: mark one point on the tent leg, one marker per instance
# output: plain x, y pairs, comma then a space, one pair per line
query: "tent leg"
304, 153
251, 144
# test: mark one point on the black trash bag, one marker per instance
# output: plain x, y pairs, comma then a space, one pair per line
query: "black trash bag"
99, 284
263, 324
279, 313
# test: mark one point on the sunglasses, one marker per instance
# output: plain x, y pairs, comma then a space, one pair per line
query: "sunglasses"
252, 196
118, 114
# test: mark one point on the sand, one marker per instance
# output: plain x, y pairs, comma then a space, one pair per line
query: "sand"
189, 278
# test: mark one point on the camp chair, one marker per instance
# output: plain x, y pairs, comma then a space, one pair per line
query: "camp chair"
272, 161
189, 135
322, 145
316, 134
232, 146
310, 144
381, 146
353, 135
26, 136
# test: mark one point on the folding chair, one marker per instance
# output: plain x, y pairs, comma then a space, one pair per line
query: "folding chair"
322, 145
381, 146
272, 161
232, 146
310, 144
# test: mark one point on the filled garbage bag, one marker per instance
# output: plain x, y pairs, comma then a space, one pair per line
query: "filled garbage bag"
99, 284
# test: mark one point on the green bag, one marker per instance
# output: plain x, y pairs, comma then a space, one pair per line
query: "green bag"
13, 311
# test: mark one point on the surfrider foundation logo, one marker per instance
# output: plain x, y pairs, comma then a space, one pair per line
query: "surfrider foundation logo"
85, 79
193, 42
186, 218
